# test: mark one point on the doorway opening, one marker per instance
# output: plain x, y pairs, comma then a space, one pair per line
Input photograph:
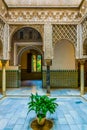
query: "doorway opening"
31, 67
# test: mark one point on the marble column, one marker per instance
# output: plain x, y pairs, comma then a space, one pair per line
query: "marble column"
48, 63
4, 77
82, 77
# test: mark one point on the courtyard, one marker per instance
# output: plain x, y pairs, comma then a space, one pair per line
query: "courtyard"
71, 114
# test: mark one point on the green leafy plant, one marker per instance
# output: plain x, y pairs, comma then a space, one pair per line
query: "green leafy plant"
41, 104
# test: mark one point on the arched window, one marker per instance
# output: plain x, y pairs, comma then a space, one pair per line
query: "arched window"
36, 63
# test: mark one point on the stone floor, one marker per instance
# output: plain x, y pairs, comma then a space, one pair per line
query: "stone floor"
71, 113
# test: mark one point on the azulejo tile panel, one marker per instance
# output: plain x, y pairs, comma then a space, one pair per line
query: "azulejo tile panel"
62, 78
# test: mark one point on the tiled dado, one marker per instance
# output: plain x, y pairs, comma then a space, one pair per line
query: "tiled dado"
12, 78
62, 78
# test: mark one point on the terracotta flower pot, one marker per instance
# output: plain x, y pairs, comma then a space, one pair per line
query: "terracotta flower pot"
42, 121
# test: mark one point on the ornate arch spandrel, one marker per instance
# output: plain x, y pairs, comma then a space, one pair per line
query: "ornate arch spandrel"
15, 28
68, 32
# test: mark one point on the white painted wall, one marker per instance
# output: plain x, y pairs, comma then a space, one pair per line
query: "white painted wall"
64, 56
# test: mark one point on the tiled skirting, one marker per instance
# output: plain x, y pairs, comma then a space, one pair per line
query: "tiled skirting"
58, 78
62, 78
12, 78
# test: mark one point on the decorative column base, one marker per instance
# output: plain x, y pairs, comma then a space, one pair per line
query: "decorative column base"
4, 93
82, 92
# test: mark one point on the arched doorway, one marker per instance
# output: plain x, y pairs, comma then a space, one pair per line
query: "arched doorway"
30, 59
28, 53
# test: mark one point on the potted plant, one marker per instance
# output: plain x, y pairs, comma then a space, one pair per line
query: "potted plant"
41, 104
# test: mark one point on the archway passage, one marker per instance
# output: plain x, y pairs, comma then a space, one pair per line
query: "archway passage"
28, 53
31, 65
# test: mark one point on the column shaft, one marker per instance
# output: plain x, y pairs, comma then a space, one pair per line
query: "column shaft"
4, 77
82, 78
3, 80
48, 79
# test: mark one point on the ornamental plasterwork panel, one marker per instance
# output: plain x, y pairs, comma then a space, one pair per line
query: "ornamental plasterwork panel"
83, 9
48, 41
49, 15
68, 32
3, 9
38, 27
6, 41
1, 30
84, 29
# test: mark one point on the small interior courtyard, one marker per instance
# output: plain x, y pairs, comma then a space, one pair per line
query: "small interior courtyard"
43, 50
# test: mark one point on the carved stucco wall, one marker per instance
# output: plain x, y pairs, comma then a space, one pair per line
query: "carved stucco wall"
1, 30
14, 28
1, 38
4, 38
42, 16
3, 10
51, 34
84, 29
68, 32
83, 9
6, 42
48, 48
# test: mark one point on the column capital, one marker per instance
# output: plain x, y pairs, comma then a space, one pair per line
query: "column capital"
48, 62
81, 61
4, 61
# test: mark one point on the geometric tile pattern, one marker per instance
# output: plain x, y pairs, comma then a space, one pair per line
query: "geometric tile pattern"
62, 78
68, 32
12, 78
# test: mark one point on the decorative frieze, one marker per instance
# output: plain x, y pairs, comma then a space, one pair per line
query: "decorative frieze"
54, 16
